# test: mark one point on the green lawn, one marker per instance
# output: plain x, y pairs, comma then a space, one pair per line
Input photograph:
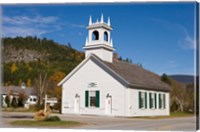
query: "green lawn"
180, 114
32, 123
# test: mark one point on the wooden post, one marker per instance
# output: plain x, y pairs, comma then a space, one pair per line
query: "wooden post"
45, 104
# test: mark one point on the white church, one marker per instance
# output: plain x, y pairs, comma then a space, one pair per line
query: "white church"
103, 85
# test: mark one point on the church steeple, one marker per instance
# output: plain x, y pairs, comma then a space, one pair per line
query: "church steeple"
102, 19
90, 21
99, 40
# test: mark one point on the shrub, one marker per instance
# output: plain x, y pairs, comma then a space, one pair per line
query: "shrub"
14, 102
57, 106
39, 107
53, 118
21, 99
41, 115
20, 102
7, 100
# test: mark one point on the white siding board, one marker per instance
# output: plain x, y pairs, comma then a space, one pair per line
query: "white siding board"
78, 83
134, 102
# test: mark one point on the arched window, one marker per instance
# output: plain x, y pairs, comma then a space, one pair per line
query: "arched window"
95, 35
105, 36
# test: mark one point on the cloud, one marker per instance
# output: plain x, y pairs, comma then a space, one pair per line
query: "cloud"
21, 20
77, 25
28, 26
186, 41
22, 31
34, 25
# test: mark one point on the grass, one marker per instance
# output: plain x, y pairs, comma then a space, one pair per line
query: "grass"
180, 114
20, 109
32, 123
172, 115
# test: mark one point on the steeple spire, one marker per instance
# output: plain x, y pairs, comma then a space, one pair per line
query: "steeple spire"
108, 21
86, 41
90, 21
102, 21
111, 43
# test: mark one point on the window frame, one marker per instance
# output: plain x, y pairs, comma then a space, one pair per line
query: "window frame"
95, 94
89, 100
162, 101
143, 99
152, 100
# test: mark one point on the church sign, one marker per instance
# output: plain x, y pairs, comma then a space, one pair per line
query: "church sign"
92, 84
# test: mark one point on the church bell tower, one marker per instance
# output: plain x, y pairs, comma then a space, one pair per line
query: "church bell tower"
99, 40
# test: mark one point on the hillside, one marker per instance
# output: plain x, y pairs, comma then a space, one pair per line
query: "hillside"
183, 78
24, 57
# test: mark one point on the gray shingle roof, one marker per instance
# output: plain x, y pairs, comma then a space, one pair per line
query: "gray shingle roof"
17, 90
138, 77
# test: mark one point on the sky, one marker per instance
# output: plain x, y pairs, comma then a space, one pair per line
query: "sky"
160, 36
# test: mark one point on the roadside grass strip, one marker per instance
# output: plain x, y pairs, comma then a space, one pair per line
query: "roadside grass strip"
32, 123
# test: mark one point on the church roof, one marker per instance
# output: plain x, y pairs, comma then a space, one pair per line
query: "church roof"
17, 90
129, 75
137, 76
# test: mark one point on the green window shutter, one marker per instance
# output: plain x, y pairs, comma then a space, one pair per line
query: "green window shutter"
164, 100
97, 99
155, 97
139, 99
86, 98
150, 105
159, 100
145, 99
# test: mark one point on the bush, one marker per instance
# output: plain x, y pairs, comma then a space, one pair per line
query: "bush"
57, 106
39, 107
41, 115
7, 100
53, 118
20, 102
14, 102
21, 99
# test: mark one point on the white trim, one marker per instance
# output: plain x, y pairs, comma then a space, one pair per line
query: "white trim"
82, 63
104, 45
74, 70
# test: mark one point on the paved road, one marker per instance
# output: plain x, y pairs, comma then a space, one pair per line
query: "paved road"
113, 123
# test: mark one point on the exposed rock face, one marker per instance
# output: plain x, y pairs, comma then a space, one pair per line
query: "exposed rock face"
11, 54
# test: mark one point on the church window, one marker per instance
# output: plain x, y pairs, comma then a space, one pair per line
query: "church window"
92, 98
162, 102
152, 100
142, 100
95, 35
105, 36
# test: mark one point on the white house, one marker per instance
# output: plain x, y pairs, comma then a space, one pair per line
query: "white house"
103, 85
15, 91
